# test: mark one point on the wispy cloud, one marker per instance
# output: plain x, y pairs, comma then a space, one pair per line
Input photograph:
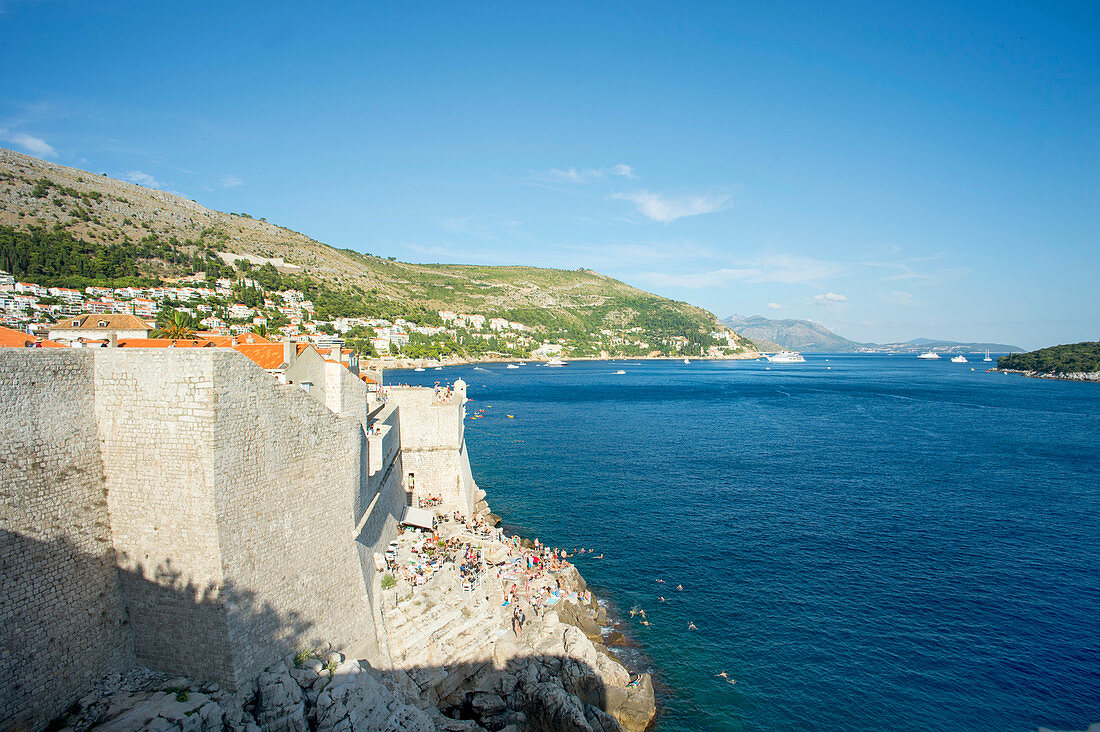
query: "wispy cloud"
829, 298
912, 270
586, 175
231, 181
667, 209
775, 306
29, 143
142, 179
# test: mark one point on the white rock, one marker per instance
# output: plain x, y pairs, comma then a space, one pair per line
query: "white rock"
280, 706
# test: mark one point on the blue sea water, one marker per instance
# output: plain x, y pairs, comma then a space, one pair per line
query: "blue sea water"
864, 542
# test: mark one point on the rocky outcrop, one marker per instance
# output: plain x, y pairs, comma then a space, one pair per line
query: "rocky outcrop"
634, 706
353, 701
573, 614
164, 711
1060, 375
336, 696
280, 704
549, 708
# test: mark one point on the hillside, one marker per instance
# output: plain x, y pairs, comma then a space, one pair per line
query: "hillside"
122, 233
1075, 358
800, 335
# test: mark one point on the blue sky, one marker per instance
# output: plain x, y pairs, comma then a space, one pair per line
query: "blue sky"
890, 170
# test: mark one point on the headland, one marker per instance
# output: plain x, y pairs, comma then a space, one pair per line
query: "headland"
1070, 362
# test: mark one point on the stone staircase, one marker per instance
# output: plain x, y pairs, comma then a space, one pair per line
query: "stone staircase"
442, 635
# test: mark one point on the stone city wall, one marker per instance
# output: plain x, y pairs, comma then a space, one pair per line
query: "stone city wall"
62, 620
155, 415
180, 509
287, 474
433, 448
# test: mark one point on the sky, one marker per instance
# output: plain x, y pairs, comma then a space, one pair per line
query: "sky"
890, 170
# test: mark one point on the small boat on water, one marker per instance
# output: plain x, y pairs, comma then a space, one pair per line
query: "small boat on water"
930, 356
987, 358
419, 368
620, 371
438, 368
687, 360
959, 359
512, 366
787, 357
555, 362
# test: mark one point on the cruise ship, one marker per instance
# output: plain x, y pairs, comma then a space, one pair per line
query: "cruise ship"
930, 355
787, 357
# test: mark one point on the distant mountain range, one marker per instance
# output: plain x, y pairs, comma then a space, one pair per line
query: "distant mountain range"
810, 337
799, 335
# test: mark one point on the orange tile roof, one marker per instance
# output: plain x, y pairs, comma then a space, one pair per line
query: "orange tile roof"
220, 341
224, 341
44, 343
265, 355
116, 321
15, 338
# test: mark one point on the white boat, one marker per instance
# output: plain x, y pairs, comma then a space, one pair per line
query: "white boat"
959, 359
620, 371
787, 357
419, 368
987, 359
687, 360
512, 366
438, 368
555, 362
930, 355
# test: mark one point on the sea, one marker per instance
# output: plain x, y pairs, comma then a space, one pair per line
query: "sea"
864, 542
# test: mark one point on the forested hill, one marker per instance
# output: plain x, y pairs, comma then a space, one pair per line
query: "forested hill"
1074, 358
66, 227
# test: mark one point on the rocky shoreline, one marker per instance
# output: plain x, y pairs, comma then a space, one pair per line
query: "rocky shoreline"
1076, 376
453, 659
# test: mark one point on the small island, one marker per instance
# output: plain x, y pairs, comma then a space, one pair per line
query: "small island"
1073, 362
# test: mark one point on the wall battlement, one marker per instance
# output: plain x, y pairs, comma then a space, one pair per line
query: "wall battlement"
181, 510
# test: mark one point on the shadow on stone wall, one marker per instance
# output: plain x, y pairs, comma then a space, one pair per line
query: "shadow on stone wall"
201, 632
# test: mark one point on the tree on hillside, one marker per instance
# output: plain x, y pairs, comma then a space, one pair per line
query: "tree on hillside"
260, 329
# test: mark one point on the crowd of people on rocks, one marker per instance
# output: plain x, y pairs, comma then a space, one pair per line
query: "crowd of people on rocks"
531, 576
539, 570
429, 501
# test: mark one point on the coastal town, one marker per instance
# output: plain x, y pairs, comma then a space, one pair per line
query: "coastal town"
243, 310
